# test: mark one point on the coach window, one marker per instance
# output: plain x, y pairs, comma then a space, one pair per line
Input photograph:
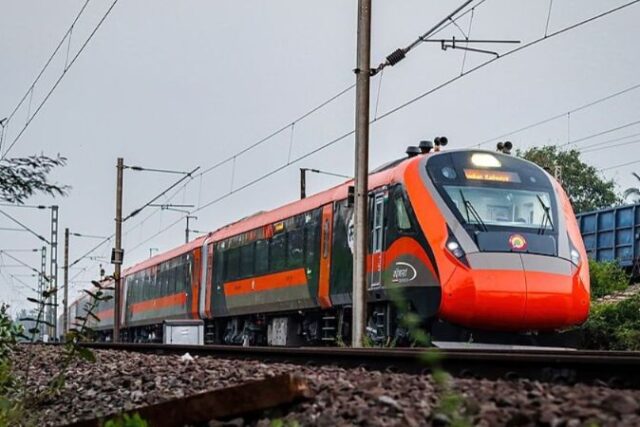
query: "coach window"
181, 276
262, 257
277, 252
310, 243
233, 264
173, 278
246, 260
295, 248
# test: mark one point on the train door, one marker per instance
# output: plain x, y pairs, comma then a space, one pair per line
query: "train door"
377, 240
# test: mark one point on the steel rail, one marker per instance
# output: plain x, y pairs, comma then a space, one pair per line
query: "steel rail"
610, 368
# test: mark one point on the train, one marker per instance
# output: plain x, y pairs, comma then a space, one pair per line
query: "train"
613, 235
479, 245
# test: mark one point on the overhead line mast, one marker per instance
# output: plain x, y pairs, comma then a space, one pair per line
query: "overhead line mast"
361, 182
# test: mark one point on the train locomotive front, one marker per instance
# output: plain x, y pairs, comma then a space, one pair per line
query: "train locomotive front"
505, 240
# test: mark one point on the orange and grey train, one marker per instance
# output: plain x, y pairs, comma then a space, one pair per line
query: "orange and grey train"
480, 245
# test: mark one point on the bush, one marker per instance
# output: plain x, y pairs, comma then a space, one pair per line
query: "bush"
606, 278
613, 326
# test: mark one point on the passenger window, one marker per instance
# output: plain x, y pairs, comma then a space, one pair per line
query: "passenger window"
233, 264
325, 238
295, 248
402, 217
310, 244
262, 256
277, 249
246, 260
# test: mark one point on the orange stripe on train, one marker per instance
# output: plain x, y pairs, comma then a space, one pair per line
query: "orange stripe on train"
157, 303
283, 279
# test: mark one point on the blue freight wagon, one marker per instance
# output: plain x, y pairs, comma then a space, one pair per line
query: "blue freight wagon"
613, 234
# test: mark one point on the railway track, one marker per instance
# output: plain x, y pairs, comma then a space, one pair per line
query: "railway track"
614, 369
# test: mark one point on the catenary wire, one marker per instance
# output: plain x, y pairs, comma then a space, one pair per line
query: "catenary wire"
561, 115
55, 85
396, 109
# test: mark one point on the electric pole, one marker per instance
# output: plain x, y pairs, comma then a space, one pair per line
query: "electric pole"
186, 231
42, 283
65, 302
118, 253
303, 183
53, 276
361, 183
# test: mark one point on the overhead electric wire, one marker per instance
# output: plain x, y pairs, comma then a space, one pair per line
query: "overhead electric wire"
64, 73
586, 148
396, 109
621, 165
19, 261
55, 51
606, 147
506, 54
562, 115
26, 228
614, 129
256, 144
278, 131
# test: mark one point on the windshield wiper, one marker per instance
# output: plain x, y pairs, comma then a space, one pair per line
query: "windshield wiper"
547, 216
469, 208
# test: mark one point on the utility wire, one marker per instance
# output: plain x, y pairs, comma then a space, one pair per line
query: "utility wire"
604, 132
508, 53
258, 143
390, 112
19, 261
25, 227
606, 147
621, 165
55, 85
66, 34
278, 131
561, 115
597, 144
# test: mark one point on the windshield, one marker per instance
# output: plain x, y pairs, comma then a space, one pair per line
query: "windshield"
502, 206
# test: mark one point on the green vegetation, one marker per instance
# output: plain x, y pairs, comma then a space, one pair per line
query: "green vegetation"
586, 189
606, 278
613, 326
17, 401
127, 421
23, 177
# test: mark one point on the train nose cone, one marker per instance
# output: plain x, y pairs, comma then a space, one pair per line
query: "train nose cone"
556, 297
515, 292
492, 295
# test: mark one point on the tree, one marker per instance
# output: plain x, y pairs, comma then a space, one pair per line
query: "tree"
22, 177
586, 189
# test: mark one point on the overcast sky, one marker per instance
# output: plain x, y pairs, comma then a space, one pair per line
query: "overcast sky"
180, 84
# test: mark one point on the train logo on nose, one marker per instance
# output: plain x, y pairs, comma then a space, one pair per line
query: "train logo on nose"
517, 242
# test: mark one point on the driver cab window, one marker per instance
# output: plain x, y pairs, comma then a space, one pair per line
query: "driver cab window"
402, 217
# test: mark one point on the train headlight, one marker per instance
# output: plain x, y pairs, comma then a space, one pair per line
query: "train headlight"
485, 160
455, 249
575, 256
574, 253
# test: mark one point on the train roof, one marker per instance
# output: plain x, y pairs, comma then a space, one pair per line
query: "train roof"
165, 256
378, 178
388, 173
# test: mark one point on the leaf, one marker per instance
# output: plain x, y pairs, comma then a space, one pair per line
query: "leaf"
88, 292
86, 354
94, 316
33, 300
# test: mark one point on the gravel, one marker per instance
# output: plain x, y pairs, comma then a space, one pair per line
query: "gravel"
123, 380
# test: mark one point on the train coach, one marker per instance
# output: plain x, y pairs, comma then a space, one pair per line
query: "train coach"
479, 244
